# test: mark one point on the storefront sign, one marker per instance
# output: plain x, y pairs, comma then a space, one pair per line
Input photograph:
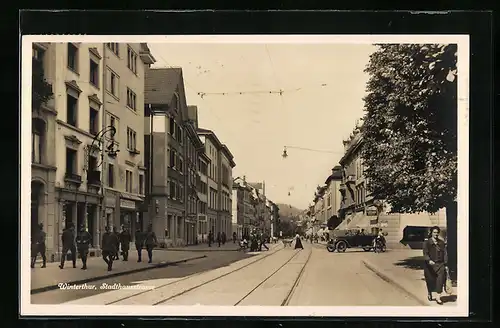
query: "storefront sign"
125, 203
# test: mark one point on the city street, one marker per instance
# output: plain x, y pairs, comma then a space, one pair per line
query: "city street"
279, 277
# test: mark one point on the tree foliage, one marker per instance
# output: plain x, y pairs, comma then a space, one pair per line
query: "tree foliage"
410, 126
41, 89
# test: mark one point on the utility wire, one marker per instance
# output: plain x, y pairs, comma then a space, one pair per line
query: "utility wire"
315, 150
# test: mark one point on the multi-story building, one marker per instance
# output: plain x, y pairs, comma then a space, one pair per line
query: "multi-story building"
194, 147
274, 218
225, 187
203, 225
243, 209
44, 207
332, 195
212, 151
166, 110
358, 208
124, 67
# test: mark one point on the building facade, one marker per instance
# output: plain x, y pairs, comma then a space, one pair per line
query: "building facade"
358, 208
332, 196
124, 70
225, 190
44, 207
165, 140
245, 211
203, 225
194, 147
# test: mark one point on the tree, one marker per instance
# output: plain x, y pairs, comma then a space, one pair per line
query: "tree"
41, 90
410, 130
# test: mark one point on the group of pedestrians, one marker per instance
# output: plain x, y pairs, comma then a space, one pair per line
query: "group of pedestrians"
221, 238
81, 241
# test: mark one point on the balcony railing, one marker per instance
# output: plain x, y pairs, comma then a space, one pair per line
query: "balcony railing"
72, 177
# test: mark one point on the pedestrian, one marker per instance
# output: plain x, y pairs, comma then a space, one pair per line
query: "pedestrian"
38, 246
234, 237
117, 246
219, 238
298, 242
108, 245
223, 237
125, 239
263, 243
68, 239
210, 238
151, 242
139, 243
83, 241
436, 262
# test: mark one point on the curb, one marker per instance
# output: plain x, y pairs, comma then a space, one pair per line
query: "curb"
117, 274
391, 280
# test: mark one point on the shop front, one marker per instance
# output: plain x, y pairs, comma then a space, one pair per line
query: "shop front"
131, 215
190, 230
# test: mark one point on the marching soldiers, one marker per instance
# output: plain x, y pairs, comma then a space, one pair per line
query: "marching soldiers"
108, 244
125, 239
139, 243
150, 241
38, 246
117, 246
69, 244
83, 240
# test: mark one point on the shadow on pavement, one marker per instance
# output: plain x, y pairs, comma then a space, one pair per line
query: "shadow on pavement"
449, 298
414, 263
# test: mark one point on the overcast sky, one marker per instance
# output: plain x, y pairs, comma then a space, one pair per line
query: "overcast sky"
255, 125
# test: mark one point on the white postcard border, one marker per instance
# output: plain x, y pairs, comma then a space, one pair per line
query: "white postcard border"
462, 305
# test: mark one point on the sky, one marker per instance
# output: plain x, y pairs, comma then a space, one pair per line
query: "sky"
323, 86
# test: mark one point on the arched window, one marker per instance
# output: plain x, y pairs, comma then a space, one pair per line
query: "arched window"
37, 140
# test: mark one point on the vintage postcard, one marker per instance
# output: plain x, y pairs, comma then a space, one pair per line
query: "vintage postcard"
312, 175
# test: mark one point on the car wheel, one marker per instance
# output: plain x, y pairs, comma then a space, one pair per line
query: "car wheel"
341, 246
367, 249
330, 248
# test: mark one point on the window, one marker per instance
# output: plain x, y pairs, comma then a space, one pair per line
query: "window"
131, 99
71, 157
172, 158
141, 184
131, 139
73, 57
92, 163
113, 83
93, 121
114, 47
181, 165
131, 60
128, 181
94, 73
179, 134
111, 175
72, 110
37, 128
172, 189
171, 127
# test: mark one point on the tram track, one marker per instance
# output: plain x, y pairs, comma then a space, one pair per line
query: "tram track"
191, 277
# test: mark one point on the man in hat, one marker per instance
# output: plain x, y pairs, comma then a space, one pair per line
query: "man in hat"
108, 244
125, 239
150, 241
69, 244
83, 240
38, 246
139, 243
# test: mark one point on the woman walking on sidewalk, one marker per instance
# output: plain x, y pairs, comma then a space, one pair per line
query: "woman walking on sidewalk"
436, 260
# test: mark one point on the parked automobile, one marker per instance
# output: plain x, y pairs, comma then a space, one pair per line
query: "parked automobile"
343, 240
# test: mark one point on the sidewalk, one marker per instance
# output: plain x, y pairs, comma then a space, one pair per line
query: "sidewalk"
404, 269
47, 278
228, 246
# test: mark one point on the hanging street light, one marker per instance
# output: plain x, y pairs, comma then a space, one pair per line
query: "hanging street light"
284, 155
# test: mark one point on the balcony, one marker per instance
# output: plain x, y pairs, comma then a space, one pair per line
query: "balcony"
94, 178
73, 177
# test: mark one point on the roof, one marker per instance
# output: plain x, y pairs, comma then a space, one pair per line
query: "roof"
160, 84
229, 156
211, 135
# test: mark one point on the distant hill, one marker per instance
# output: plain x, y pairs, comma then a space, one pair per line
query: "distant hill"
288, 211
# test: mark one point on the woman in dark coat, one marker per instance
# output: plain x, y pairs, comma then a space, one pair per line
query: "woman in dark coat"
298, 242
436, 261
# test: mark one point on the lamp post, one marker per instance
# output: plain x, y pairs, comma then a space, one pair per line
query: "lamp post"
102, 146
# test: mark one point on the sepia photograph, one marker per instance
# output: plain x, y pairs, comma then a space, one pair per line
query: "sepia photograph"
315, 175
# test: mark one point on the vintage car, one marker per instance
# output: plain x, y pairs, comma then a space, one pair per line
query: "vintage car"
343, 240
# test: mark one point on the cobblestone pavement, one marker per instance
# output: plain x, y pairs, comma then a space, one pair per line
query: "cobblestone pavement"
281, 276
